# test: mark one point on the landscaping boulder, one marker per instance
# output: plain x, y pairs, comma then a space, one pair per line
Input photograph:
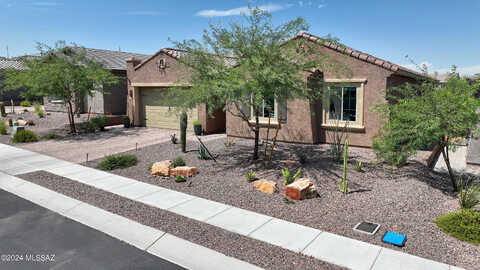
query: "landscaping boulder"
162, 168
21, 122
265, 186
302, 188
183, 170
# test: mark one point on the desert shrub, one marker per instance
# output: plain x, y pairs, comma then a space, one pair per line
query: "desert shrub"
203, 153
197, 123
51, 136
302, 157
88, 127
463, 225
358, 166
117, 162
99, 122
288, 178
24, 136
468, 192
3, 128
173, 138
392, 151
25, 110
228, 143
149, 166
180, 178
25, 103
179, 161
251, 176
38, 110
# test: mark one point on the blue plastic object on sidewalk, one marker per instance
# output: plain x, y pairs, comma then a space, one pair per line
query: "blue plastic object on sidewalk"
396, 239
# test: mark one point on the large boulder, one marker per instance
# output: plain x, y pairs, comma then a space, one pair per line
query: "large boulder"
21, 122
183, 170
302, 188
162, 168
265, 186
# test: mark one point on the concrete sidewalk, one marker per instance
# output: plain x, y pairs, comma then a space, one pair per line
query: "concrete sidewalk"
324, 246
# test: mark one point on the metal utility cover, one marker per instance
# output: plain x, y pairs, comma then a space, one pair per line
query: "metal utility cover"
369, 228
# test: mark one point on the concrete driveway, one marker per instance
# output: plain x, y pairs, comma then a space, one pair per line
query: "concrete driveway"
98, 145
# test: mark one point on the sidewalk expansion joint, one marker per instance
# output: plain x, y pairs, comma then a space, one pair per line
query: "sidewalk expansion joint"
225, 210
309, 243
376, 257
153, 243
260, 226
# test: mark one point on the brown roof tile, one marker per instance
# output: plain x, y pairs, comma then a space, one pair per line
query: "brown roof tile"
359, 55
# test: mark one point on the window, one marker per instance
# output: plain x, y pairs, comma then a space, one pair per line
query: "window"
273, 109
343, 104
267, 109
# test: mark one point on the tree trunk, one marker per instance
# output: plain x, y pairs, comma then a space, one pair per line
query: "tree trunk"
183, 131
73, 130
257, 135
446, 158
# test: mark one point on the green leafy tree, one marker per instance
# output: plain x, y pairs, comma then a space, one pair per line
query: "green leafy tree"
63, 72
237, 67
420, 115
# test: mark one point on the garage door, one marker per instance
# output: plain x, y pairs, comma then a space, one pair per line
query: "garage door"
157, 113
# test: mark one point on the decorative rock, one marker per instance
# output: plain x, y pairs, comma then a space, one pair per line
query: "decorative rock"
265, 186
183, 170
302, 188
162, 168
22, 123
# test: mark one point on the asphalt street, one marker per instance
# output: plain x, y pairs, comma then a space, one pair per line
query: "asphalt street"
32, 237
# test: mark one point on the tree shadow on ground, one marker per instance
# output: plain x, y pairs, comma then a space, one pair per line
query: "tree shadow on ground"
322, 169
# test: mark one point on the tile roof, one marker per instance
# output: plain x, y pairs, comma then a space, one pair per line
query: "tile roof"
113, 59
15, 64
358, 54
176, 53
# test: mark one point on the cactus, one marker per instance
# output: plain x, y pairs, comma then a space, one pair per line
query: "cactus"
343, 185
183, 131
2, 110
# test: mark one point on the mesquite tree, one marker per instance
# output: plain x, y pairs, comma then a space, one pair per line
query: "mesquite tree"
63, 72
421, 115
240, 66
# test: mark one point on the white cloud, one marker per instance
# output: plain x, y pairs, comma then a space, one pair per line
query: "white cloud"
464, 71
145, 13
321, 6
300, 3
46, 4
239, 11
467, 71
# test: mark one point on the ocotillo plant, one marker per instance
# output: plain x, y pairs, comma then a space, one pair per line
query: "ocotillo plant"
183, 131
343, 185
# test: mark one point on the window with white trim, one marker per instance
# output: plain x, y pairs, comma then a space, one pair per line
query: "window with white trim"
343, 104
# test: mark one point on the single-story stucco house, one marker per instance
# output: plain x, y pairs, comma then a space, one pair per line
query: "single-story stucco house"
114, 100
302, 121
9, 95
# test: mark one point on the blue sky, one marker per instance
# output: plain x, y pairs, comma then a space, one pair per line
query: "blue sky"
437, 33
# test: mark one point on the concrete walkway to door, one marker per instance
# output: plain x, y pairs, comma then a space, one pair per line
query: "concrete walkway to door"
98, 145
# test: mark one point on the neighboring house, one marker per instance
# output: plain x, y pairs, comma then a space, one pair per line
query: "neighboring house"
15, 95
301, 121
114, 100
148, 104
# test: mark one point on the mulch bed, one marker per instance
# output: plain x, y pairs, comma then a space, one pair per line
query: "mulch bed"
230, 244
404, 200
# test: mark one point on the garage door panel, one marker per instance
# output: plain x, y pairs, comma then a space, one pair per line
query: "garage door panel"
158, 114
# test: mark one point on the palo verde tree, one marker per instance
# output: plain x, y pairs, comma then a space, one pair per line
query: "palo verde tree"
420, 115
241, 66
63, 72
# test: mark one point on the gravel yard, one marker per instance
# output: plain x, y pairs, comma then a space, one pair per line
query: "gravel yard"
404, 200
230, 244
53, 122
